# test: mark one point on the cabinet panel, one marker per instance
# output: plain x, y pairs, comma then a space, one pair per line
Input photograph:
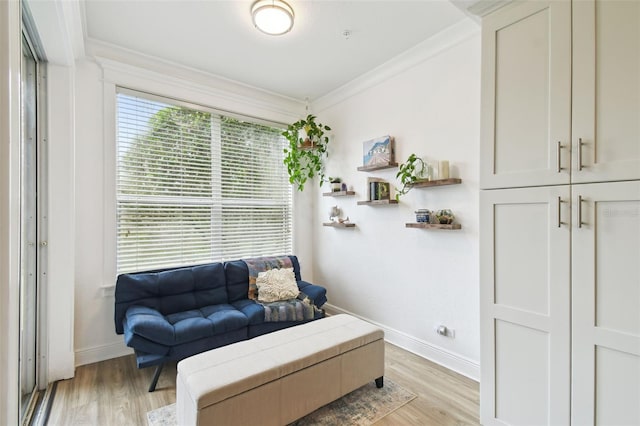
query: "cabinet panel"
617, 265
606, 98
606, 303
617, 388
522, 374
521, 268
525, 254
526, 83
522, 54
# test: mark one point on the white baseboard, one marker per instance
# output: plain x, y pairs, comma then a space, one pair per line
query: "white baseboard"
101, 353
441, 356
434, 353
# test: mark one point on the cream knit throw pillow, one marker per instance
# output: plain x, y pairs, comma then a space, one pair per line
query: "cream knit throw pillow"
277, 284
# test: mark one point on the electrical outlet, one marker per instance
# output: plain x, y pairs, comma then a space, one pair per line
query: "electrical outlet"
445, 331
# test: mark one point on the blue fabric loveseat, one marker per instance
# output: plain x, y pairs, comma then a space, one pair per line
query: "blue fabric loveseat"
174, 313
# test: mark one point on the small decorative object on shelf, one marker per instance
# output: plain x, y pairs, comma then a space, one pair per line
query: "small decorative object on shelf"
444, 217
336, 184
334, 213
378, 189
443, 169
378, 152
335, 218
423, 215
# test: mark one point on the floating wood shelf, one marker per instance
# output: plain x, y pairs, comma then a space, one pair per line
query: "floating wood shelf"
376, 202
339, 225
373, 168
338, 193
451, 226
423, 183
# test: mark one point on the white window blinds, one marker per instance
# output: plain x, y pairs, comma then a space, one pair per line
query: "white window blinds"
194, 186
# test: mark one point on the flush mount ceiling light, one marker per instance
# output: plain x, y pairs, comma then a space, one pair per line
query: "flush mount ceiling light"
273, 17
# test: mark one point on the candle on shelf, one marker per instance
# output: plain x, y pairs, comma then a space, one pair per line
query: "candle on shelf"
443, 169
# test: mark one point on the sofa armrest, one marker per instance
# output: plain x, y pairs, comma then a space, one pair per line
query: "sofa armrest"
315, 292
149, 323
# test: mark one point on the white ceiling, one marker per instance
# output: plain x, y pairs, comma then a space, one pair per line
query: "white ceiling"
218, 37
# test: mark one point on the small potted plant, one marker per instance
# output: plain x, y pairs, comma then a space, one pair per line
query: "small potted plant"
336, 184
409, 172
307, 150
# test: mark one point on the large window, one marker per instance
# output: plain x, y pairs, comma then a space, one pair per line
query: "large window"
195, 186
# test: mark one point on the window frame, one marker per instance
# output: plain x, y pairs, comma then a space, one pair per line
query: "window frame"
216, 201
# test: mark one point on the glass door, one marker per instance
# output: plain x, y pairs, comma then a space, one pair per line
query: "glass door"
28, 233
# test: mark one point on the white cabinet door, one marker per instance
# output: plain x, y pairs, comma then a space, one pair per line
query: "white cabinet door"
526, 95
606, 90
606, 304
525, 306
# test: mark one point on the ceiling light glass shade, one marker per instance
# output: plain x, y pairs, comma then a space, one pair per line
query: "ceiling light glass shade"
274, 17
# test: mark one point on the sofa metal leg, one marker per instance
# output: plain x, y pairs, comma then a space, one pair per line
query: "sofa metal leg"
156, 376
380, 382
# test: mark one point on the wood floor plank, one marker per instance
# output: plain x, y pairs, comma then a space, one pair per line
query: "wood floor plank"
114, 392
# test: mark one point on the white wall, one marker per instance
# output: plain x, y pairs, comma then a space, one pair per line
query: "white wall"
409, 280
60, 223
432, 108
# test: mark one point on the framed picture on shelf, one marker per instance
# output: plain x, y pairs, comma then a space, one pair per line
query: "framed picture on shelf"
378, 152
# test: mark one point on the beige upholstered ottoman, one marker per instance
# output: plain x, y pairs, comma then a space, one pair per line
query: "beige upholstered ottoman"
279, 377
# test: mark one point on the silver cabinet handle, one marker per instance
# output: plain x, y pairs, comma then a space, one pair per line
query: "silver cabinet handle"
580, 211
559, 208
580, 144
559, 157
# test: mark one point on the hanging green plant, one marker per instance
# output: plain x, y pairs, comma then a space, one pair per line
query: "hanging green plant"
409, 172
307, 151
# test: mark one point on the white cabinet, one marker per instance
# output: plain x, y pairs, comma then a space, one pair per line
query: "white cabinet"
606, 90
560, 214
526, 95
550, 116
560, 305
525, 306
606, 304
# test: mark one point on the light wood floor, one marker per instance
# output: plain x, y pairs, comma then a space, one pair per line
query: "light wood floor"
114, 392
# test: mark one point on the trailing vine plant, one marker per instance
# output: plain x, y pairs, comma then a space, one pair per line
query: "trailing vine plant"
307, 151
409, 172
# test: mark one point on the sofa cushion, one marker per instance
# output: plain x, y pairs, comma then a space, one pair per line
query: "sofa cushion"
276, 285
184, 326
170, 291
237, 277
252, 310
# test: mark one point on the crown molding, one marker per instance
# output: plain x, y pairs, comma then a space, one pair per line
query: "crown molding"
484, 7
429, 48
121, 65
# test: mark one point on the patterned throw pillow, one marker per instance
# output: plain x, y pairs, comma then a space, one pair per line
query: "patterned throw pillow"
277, 284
